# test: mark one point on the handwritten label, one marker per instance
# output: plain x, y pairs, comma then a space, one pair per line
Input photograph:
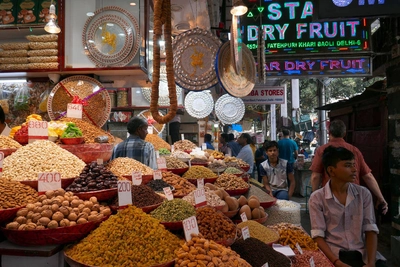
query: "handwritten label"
200, 183
245, 232
182, 137
190, 227
161, 163
157, 175
74, 111
200, 198
124, 193
168, 193
203, 146
49, 181
136, 178
244, 217
299, 248
1, 163
312, 263
150, 130
37, 130
100, 162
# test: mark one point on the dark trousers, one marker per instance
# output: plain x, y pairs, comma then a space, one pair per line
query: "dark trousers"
174, 131
354, 259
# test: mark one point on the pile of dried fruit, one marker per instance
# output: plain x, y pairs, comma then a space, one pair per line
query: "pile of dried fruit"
157, 142
174, 211
182, 187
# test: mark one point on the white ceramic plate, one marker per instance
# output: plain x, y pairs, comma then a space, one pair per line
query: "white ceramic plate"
229, 109
199, 104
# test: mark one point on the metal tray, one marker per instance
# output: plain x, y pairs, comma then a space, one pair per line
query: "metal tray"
229, 109
199, 104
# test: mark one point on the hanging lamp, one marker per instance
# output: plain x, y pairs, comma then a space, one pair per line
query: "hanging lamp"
52, 26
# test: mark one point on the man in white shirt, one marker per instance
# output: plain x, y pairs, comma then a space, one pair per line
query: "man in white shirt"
246, 153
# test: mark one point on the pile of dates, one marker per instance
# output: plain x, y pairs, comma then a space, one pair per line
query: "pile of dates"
93, 177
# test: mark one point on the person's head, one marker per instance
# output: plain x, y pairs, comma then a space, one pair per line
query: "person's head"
224, 138
339, 163
337, 129
285, 132
2, 116
272, 150
207, 138
280, 135
244, 139
231, 137
138, 126
265, 144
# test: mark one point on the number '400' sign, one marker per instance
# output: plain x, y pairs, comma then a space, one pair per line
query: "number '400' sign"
49, 181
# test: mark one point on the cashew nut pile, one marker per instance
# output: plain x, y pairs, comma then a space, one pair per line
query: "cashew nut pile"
125, 166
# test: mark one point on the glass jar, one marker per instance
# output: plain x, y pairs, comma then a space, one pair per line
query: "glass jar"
122, 97
113, 98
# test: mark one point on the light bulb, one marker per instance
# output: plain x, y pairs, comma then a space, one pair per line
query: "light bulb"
52, 27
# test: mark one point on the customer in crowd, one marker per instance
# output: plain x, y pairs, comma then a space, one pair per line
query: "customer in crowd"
233, 145
134, 146
260, 156
288, 148
276, 172
223, 145
246, 154
4, 129
342, 214
174, 126
337, 131
207, 141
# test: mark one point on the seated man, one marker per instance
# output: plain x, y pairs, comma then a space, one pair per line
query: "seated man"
276, 172
342, 214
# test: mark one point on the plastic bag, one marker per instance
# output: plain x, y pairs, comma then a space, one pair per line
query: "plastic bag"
43, 100
4, 102
21, 100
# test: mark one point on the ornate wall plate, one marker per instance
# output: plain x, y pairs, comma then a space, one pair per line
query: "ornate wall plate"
238, 85
229, 109
199, 104
111, 37
194, 53
98, 106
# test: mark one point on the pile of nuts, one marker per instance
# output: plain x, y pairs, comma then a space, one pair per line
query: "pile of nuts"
284, 211
290, 234
182, 187
14, 194
240, 162
180, 154
7, 142
184, 145
229, 181
199, 172
174, 163
260, 232
157, 142
212, 198
124, 166
57, 208
214, 225
41, 156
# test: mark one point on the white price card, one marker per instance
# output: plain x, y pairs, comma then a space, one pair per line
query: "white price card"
37, 130
100, 161
172, 148
245, 232
74, 111
203, 146
190, 227
136, 178
200, 183
150, 130
299, 248
190, 163
157, 175
200, 198
1, 163
312, 263
265, 265
157, 154
243, 216
182, 137
168, 193
124, 193
49, 181
161, 163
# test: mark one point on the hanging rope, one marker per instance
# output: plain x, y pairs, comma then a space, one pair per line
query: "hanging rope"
162, 16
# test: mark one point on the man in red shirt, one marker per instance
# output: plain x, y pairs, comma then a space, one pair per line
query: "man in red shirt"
337, 130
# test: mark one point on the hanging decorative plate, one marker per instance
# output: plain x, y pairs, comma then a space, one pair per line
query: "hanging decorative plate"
236, 44
163, 98
95, 99
157, 127
194, 53
111, 37
199, 104
238, 85
229, 109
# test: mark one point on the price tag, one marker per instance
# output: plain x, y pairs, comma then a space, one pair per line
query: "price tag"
162, 163
229, 152
124, 193
299, 248
200, 198
203, 146
157, 154
100, 162
157, 175
245, 232
265, 265
244, 217
312, 263
136, 178
1, 163
182, 136
172, 148
190, 227
49, 181
150, 130
190, 163
74, 111
37, 130
168, 193
200, 183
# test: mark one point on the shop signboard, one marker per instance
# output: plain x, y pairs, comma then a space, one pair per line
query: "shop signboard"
333, 9
265, 95
328, 67
290, 29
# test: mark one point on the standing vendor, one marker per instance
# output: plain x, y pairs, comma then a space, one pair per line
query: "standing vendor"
174, 126
4, 129
134, 146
